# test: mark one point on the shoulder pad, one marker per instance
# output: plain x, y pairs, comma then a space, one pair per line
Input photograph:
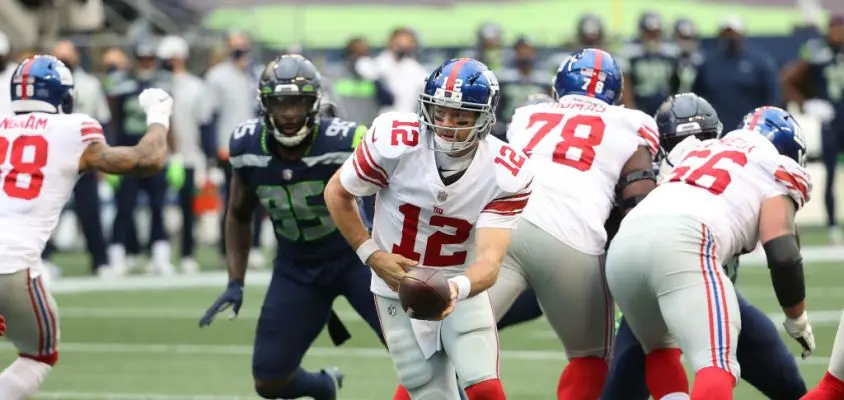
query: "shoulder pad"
513, 171
676, 155
632, 49
669, 49
246, 138
795, 179
395, 133
339, 129
816, 51
122, 86
643, 125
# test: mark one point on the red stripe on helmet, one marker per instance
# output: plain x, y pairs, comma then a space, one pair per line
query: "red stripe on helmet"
455, 70
25, 78
595, 72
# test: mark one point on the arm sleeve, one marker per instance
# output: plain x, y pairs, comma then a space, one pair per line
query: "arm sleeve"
649, 135
90, 131
366, 171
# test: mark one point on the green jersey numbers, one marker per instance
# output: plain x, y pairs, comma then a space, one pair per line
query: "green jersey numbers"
134, 117
834, 74
289, 208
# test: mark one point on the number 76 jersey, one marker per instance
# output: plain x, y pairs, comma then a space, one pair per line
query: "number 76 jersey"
416, 214
39, 166
723, 183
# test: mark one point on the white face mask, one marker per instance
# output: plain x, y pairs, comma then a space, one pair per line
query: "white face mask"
449, 146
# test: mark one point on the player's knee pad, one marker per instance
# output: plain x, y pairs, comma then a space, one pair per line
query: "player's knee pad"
412, 369
490, 389
50, 360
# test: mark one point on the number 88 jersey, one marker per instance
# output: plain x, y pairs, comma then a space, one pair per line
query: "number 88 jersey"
723, 183
579, 147
39, 166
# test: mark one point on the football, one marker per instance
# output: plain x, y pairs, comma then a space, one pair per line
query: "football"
424, 293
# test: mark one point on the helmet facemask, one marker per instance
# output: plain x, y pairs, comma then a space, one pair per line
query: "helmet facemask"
454, 125
290, 116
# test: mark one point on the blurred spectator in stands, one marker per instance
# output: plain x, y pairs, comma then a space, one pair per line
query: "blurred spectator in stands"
115, 65
127, 127
358, 85
191, 110
489, 47
89, 99
521, 79
734, 77
7, 68
402, 72
690, 58
589, 34
815, 81
233, 84
648, 63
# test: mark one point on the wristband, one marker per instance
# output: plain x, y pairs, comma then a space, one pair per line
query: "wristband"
464, 286
366, 249
158, 118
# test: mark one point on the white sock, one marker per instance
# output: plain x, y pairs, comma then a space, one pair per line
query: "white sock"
161, 253
675, 396
21, 380
117, 256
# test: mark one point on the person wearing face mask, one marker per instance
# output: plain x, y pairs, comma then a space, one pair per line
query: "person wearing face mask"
821, 68
520, 80
690, 57
232, 84
128, 126
89, 99
360, 91
649, 64
6, 71
192, 109
115, 63
489, 48
734, 76
403, 74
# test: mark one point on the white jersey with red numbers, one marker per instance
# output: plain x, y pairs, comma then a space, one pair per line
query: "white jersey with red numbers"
723, 183
578, 147
418, 216
39, 166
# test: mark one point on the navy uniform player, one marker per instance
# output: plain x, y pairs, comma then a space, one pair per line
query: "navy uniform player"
282, 161
683, 121
649, 64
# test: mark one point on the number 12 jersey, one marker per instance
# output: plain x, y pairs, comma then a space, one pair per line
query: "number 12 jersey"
416, 214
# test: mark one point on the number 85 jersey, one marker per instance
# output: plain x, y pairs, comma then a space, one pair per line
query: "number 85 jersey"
578, 147
416, 214
723, 183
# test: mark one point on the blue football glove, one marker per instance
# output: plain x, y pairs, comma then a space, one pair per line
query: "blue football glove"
232, 297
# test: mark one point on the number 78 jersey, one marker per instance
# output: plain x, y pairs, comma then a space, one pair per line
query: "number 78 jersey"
578, 147
724, 183
39, 166
416, 214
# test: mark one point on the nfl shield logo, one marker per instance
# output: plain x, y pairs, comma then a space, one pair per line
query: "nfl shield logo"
442, 196
287, 174
391, 310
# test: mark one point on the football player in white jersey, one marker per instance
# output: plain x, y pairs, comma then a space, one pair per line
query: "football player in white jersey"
442, 183
586, 152
664, 265
43, 150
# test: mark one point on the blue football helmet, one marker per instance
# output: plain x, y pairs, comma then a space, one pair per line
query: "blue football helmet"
590, 72
778, 126
42, 84
463, 84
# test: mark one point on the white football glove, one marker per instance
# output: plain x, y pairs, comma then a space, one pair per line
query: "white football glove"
801, 331
820, 109
158, 105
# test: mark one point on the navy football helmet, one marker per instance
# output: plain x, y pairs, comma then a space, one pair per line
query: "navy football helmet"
290, 93
42, 84
778, 126
465, 85
683, 115
590, 72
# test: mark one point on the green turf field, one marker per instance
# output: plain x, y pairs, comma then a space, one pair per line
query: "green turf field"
139, 339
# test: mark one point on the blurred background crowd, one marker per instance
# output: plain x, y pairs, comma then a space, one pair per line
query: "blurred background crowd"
374, 56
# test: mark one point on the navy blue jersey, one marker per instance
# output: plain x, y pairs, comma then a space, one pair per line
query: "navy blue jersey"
650, 73
827, 71
128, 119
292, 191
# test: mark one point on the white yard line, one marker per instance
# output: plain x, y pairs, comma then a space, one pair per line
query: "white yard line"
330, 352
132, 396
